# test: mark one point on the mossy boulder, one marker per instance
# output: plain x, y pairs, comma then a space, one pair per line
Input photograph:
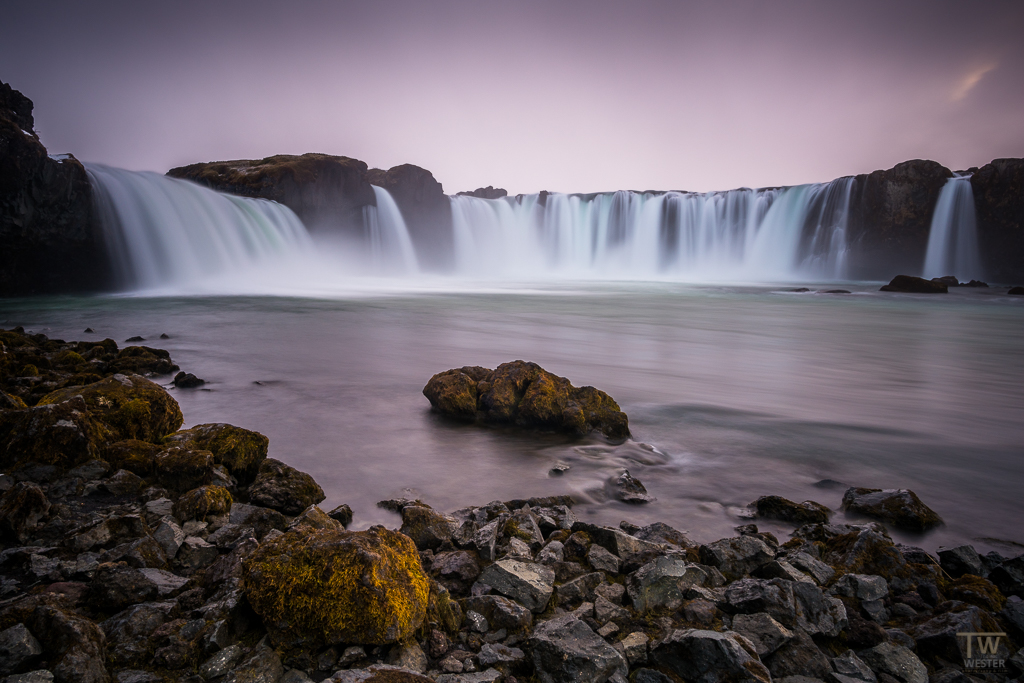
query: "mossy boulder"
241, 451
11, 402
183, 469
785, 510
284, 488
526, 395
62, 434
22, 509
323, 587
138, 457
200, 503
900, 508
143, 359
128, 406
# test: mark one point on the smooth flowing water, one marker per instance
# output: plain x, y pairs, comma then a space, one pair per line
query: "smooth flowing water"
732, 392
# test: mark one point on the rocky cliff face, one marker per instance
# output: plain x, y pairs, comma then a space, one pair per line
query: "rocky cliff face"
999, 203
426, 209
50, 243
890, 216
327, 192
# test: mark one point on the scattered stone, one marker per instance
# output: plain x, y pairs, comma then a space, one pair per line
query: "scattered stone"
821, 572
527, 583
737, 557
896, 661
605, 611
499, 611
262, 666
342, 513
499, 655
960, 560
408, 655
186, 380
709, 657
552, 553
627, 488
428, 529
898, 507
914, 285
602, 560
566, 650
662, 582
765, 633
799, 656
777, 507
781, 569
284, 488
222, 662
849, 668
18, 647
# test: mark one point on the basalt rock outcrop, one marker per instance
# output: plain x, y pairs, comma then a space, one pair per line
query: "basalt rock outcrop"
48, 239
999, 205
426, 209
488, 192
326, 192
526, 395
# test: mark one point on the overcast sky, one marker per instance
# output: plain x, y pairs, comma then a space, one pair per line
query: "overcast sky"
566, 96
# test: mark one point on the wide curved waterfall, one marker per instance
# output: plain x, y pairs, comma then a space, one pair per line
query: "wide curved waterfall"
744, 234
952, 238
165, 232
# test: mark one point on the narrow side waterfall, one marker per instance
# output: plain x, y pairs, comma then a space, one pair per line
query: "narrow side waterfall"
165, 232
391, 248
747, 234
952, 238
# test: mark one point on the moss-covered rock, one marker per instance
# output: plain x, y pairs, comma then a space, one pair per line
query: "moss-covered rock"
182, 469
899, 507
526, 395
143, 359
199, 503
241, 451
138, 457
128, 406
22, 509
62, 434
11, 402
323, 587
284, 488
783, 509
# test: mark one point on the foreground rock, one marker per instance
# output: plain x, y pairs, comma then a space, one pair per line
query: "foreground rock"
915, 285
526, 395
898, 507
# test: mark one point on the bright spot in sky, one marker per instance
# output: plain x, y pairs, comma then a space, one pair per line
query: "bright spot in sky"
972, 79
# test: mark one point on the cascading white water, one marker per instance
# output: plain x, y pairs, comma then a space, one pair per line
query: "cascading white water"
744, 234
391, 248
952, 238
166, 232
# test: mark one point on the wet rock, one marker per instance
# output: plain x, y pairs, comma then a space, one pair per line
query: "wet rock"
821, 572
552, 553
261, 519
22, 510
914, 285
528, 583
899, 507
39, 676
170, 536
284, 488
736, 557
1015, 291
74, 645
605, 611
325, 587
18, 648
865, 551
896, 661
765, 633
315, 518
241, 451
61, 434
627, 488
849, 668
566, 650
428, 529
781, 569
799, 656
128, 633
861, 586
181, 469
186, 380
458, 568
117, 586
222, 662
708, 657
662, 583
526, 395
634, 648
501, 656
166, 583
1009, 576
960, 560
522, 525
777, 507
123, 483
342, 513
500, 612
937, 637
203, 502
262, 666
633, 551
195, 553
663, 534
602, 560
408, 655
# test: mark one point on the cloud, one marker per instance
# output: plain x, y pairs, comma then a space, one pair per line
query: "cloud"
967, 83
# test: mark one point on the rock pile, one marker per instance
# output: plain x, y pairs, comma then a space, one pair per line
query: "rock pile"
136, 553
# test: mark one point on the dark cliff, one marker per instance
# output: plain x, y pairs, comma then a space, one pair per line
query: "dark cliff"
426, 209
50, 242
999, 205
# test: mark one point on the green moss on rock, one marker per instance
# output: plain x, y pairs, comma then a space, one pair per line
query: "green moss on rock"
182, 469
241, 451
200, 503
326, 587
61, 434
284, 488
138, 457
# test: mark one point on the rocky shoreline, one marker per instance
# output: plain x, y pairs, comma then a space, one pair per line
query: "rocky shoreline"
137, 552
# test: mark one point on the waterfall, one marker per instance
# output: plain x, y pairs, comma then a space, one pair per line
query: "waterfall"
790, 233
166, 232
952, 238
391, 247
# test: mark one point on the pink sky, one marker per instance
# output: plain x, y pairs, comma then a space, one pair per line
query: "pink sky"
566, 96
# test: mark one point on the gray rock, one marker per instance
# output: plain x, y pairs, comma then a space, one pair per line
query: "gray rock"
794, 604
650, 676
608, 630
700, 656
634, 648
1009, 576
861, 586
765, 633
662, 583
602, 560
663, 534
527, 583
459, 565
295, 676
79, 653
93, 469
566, 650
612, 592
488, 676
485, 540
40, 676
605, 611
781, 569
899, 507
18, 647
876, 611
938, 636
22, 510
633, 551
896, 661
627, 488
499, 611
849, 668
477, 622
960, 560
579, 588
128, 631
196, 553
342, 513
166, 583
736, 557
222, 662
798, 657
159, 508
518, 550
1014, 614
551, 553
821, 572
137, 676
522, 524
492, 654
262, 666
426, 527
408, 655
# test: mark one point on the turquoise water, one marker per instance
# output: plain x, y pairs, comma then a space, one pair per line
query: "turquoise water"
732, 392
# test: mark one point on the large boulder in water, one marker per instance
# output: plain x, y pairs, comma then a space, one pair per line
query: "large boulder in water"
999, 205
526, 395
899, 507
326, 587
50, 243
915, 285
426, 209
326, 192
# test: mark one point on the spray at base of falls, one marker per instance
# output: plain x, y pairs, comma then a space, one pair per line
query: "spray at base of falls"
773, 234
952, 238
